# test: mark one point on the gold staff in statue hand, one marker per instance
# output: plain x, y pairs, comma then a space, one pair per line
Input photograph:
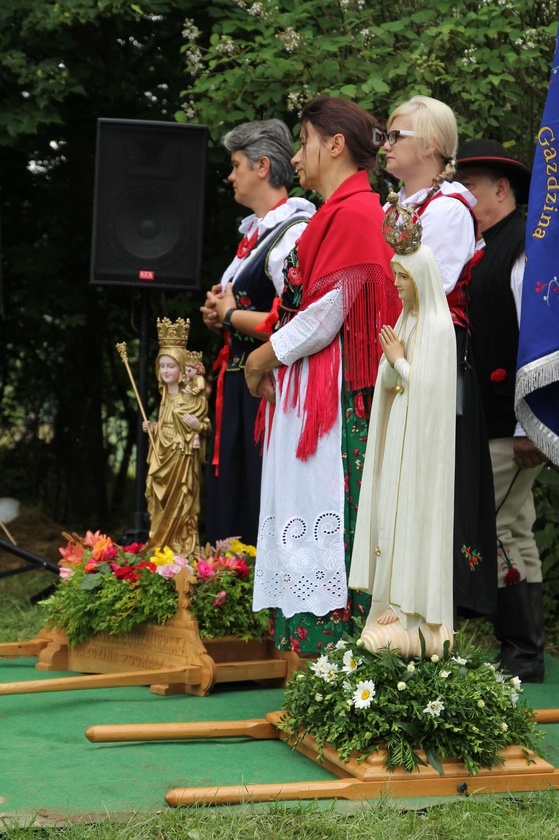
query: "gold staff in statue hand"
124, 356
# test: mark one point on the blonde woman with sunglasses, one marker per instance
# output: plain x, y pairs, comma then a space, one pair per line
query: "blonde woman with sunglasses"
420, 146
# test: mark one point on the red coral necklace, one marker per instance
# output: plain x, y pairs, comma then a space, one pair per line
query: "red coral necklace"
248, 242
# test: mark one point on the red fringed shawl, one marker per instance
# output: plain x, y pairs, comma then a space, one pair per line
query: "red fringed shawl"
343, 247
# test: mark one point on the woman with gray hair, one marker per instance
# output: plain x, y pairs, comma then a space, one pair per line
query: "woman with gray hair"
261, 174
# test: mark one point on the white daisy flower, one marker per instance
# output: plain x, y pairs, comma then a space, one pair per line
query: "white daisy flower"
434, 708
516, 682
321, 666
459, 660
363, 694
330, 674
504, 726
319, 698
445, 674
434, 658
341, 644
350, 663
410, 667
402, 686
480, 704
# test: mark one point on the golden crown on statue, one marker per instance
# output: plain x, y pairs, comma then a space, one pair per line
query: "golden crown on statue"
193, 357
401, 227
171, 334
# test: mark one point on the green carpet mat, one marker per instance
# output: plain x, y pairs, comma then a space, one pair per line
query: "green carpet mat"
49, 768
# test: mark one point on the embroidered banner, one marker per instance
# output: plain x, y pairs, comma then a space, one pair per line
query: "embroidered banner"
537, 379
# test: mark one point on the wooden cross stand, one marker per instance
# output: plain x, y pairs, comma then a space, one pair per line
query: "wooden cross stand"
358, 781
171, 658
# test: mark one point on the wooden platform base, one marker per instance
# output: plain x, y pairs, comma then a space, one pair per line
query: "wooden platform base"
171, 658
358, 781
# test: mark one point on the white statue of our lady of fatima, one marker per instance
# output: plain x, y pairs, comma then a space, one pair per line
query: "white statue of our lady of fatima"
403, 548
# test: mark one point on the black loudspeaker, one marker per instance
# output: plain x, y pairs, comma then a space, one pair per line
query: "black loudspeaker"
1, 285
148, 204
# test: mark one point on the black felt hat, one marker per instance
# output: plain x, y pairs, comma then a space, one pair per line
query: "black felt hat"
488, 154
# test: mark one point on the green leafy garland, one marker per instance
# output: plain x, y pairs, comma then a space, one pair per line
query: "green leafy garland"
221, 599
113, 606
459, 706
108, 588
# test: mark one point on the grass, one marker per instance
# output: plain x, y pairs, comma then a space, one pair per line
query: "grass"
489, 817
521, 817
20, 617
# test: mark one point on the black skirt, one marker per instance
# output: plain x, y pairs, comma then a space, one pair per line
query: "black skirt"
233, 496
475, 536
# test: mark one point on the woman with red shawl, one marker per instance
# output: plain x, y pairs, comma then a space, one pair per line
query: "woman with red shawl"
322, 358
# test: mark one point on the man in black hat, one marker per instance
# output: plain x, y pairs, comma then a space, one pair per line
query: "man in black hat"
499, 182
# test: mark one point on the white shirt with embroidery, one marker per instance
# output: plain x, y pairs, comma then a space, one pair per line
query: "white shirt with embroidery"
281, 249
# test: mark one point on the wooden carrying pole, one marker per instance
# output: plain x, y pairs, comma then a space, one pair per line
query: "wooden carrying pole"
258, 729
172, 676
31, 647
370, 779
518, 779
264, 728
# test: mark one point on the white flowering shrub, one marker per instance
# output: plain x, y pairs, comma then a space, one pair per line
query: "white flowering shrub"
456, 706
488, 60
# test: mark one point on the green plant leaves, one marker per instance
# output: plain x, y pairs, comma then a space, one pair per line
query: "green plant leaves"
458, 706
433, 760
91, 582
85, 604
229, 615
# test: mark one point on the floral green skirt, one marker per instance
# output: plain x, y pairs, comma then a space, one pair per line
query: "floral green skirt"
305, 633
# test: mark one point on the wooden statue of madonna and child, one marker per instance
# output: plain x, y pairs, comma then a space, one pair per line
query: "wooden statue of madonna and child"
403, 540
177, 442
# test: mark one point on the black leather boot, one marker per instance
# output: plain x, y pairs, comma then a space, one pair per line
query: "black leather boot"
535, 593
519, 627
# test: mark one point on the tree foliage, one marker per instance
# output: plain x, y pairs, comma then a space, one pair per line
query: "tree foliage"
487, 59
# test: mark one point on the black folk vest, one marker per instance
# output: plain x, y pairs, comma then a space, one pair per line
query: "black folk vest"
494, 323
254, 289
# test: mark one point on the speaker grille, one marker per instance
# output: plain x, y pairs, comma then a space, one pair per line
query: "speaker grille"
148, 225
149, 200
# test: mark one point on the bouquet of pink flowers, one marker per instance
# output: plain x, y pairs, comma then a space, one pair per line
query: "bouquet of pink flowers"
222, 593
106, 587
